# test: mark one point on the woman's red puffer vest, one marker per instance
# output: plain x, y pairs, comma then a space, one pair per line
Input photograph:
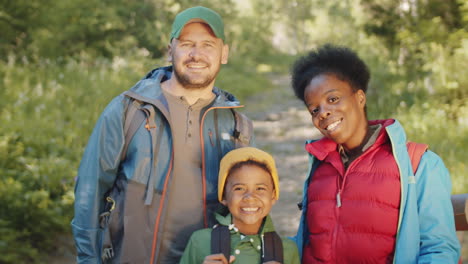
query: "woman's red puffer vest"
363, 229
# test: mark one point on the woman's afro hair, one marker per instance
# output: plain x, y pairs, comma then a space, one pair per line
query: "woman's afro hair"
339, 61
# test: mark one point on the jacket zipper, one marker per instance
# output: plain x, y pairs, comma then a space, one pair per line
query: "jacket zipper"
400, 213
161, 204
341, 185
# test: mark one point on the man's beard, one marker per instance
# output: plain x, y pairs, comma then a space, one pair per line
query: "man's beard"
189, 83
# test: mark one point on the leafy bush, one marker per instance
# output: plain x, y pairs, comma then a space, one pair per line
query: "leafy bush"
47, 114
429, 122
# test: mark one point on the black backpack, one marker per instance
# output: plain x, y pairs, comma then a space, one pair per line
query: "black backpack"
221, 243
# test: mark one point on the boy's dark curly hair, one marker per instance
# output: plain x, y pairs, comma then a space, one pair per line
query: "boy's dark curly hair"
339, 61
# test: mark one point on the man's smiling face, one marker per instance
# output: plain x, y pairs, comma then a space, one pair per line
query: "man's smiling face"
197, 56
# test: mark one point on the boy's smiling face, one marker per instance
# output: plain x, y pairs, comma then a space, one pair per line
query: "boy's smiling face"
249, 194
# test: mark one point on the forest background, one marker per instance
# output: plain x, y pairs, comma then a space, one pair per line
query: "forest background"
62, 61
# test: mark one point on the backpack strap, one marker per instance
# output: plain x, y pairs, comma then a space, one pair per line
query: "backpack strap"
133, 119
221, 241
135, 113
155, 145
415, 151
243, 130
272, 247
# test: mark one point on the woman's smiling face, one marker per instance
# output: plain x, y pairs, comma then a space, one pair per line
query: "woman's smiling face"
337, 110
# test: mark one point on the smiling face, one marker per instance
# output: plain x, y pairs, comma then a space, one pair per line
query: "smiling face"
197, 56
337, 110
249, 195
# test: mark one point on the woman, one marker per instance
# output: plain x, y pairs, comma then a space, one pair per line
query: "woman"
362, 203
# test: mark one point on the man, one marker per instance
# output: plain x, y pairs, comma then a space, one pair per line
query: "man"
138, 194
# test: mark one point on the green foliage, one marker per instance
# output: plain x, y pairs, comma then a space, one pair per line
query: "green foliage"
388, 19
31, 189
445, 135
104, 28
42, 28
241, 79
32, 30
297, 19
46, 121
18, 20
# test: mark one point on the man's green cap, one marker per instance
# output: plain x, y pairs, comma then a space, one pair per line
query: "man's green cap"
202, 14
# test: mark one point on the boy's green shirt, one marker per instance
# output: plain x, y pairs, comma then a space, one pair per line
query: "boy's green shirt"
247, 249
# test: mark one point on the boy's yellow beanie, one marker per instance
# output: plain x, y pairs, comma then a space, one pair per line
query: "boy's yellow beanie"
244, 154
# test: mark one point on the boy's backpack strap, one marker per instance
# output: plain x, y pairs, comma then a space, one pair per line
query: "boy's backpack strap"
415, 151
221, 241
243, 130
272, 247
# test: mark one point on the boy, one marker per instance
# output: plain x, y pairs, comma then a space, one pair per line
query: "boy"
248, 187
